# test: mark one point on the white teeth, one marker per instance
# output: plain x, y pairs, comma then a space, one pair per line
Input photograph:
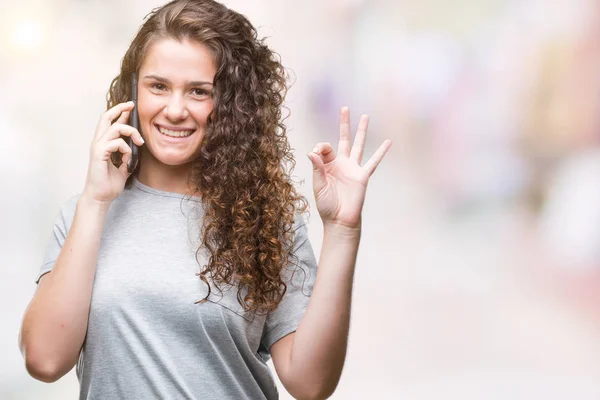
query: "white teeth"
169, 132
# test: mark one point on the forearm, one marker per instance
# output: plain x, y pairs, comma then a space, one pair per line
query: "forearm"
320, 342
55, 323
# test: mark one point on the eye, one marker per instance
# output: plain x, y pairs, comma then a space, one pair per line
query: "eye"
157, 86
200, 92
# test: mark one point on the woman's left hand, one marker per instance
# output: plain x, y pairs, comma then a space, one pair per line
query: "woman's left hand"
340, 183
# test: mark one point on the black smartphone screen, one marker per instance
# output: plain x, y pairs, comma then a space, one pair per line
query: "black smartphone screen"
134, 120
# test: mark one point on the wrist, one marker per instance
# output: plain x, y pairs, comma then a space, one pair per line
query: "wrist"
87, 203
342, 231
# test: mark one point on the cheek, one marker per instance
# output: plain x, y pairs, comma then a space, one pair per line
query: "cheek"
201, 112
148, 106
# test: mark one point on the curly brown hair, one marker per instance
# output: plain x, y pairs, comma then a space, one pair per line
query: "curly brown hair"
243, 170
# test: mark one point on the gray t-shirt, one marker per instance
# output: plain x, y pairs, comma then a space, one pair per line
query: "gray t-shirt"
146, 339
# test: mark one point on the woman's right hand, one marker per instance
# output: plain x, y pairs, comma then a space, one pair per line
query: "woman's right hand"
105, 182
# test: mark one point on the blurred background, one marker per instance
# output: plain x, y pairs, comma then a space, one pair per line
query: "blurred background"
478, 274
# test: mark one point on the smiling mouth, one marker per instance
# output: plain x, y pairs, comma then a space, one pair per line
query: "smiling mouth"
175, 134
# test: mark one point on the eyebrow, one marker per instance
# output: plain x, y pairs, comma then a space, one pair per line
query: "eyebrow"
165, 80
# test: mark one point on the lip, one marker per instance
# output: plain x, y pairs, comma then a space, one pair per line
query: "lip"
175, 128
170, 139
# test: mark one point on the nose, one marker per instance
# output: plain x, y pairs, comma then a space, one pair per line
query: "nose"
176, 109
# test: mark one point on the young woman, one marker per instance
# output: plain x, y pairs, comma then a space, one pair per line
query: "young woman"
182, 279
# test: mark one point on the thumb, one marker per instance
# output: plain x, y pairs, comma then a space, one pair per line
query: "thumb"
319, 175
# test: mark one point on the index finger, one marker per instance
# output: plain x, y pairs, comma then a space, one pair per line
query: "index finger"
374, 161
345, 136
110, 115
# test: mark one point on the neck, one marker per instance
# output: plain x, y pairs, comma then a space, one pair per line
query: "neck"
170, 178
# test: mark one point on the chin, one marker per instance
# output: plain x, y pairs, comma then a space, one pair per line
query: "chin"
171, 159
174, 160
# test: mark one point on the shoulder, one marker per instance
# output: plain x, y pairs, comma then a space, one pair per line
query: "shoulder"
67, 208
300, 230
71, 203
300, 223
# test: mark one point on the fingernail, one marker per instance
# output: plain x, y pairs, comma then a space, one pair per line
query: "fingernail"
316, 150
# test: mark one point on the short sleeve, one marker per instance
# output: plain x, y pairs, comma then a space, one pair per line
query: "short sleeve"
300, 280
60, 229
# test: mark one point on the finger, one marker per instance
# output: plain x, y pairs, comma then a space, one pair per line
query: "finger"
319, 175
372, 164
359, 140
123, 167
325, 151
344, 145
117, 129
110, 115
114, 145
126, 157
123, 118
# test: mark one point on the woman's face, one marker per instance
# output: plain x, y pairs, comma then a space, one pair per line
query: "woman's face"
175, 87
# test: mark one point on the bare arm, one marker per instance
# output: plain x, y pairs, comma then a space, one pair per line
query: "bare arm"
309, 361
55, 322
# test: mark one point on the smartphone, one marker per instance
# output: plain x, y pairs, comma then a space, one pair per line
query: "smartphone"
134, 120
